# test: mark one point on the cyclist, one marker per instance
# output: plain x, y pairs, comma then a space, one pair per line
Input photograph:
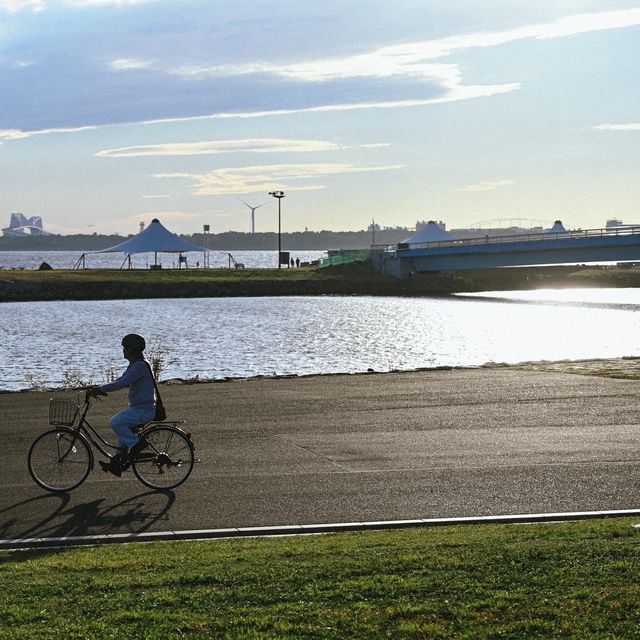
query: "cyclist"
142, 403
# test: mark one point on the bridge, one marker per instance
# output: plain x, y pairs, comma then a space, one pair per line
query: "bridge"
20, 226
541, 248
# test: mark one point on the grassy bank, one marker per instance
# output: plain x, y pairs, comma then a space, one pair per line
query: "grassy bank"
355, 279
575, 580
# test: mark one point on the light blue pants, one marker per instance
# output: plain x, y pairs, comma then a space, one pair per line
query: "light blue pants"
123, 422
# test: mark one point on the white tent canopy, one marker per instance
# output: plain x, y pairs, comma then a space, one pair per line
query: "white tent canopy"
154, 239
430, 232
558, 227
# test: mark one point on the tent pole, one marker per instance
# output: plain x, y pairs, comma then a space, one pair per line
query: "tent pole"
79, 261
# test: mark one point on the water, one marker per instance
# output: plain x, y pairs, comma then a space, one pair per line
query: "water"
238, 337
217, 259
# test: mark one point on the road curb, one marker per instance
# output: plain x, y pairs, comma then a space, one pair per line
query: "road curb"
303, 529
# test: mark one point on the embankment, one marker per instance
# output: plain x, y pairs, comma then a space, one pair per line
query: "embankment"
355, 279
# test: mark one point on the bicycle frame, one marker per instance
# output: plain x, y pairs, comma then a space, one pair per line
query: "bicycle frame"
167, 463
85, 428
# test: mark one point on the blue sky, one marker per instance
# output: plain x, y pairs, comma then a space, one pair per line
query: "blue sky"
114, 112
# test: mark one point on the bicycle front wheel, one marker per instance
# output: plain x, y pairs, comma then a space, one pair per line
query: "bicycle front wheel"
59, 460
168, 459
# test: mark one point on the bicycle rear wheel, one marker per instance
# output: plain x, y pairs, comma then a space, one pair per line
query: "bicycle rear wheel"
168, 459
59, 460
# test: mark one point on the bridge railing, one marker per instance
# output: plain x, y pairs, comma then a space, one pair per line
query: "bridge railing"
610, 232
346, 256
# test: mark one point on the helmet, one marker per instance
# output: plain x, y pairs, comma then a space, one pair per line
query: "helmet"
134, 341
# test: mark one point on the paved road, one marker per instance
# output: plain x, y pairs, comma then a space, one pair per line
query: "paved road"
353, 448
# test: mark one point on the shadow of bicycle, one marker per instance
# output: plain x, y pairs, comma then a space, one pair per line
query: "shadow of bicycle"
61, 517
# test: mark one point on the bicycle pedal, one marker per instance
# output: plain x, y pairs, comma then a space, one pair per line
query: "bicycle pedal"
109, 467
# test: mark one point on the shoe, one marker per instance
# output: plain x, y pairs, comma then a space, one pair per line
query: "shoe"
139, 446
113, 466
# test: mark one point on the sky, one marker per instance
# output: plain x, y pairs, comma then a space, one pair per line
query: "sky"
474, 113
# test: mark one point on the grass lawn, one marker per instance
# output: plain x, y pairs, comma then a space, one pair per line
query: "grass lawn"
575, 580
350, 279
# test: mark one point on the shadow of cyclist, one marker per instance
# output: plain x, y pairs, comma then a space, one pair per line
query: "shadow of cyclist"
133, 515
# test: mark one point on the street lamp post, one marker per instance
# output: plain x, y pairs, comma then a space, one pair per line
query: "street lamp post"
205, 258
279, 195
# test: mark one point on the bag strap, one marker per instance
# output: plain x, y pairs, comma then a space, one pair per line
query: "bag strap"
154, 383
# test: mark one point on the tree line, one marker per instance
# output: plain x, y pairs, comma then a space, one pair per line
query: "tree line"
228, 241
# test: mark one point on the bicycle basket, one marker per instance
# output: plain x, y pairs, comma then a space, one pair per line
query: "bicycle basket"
62, 411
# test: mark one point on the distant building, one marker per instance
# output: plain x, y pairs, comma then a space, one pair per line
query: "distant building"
20, 226
422, 224
618, 224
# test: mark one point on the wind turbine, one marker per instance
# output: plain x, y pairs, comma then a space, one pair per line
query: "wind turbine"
253, 214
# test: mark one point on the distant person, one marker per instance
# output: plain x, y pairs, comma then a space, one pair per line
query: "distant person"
138, 377
292, 262
297, 262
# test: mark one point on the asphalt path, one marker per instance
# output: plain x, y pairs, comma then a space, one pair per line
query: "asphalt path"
429, 444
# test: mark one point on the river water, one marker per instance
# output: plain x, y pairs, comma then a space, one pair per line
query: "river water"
217, 259
49, 343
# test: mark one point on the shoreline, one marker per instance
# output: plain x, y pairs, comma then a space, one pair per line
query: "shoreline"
624, 367
355, 279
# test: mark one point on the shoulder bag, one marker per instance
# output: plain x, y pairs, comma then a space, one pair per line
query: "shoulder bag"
161, 414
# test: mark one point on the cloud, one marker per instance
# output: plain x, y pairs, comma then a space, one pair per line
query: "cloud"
487, 185
412, 59
631, 126
456, 94
460, 93
17, 134
14, 6
127, 64
102, 3
267, 177
397, 76
212, 147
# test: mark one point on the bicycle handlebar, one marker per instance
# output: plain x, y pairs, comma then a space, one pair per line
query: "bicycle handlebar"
93, 392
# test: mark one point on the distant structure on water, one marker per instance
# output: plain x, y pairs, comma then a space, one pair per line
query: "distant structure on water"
618, 224
20, 226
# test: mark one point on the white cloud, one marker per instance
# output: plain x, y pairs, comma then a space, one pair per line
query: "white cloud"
631, 126
14, 6
487, 185
460, 93
210, 147
127, 64
18, 134
411, 59
100, 3
267, 177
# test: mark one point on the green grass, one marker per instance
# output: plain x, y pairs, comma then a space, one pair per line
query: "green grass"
577, 580
349, 279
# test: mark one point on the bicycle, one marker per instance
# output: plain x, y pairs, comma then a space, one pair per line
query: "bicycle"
61, 458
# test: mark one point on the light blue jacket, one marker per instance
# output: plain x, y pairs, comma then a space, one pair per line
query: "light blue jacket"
138, 378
